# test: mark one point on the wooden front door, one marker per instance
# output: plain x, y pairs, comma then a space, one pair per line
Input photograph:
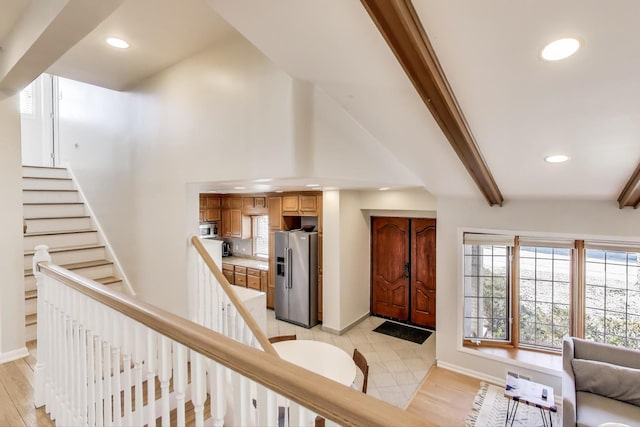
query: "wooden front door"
423, 272
403, 265
390, 293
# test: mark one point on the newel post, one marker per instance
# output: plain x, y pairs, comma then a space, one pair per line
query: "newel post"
41, 255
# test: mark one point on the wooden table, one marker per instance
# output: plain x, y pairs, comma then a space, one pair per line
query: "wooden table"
523, 390
319, 357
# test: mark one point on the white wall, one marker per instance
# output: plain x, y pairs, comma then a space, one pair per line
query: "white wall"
11, 254
343, 149
95, 141
576, 219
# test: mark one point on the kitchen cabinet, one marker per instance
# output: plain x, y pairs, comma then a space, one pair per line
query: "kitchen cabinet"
264, 280
271, 283
212, 208
240, 276
253, 278
228, 271
275, 214
300, 204
234, 224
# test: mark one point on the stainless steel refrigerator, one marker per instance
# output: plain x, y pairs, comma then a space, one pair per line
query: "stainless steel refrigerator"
297, 277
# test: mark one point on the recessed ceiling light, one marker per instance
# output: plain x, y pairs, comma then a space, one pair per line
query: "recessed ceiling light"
384, 188
116, 42
262, 180
279, 191
560, 49
313, 185
239, 188
556, 158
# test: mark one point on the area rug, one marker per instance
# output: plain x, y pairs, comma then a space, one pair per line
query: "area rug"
490, 409
404, 332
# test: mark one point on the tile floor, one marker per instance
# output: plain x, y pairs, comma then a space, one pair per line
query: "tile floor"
396, 366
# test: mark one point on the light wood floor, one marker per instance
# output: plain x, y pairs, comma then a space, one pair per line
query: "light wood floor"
16, 393
444, 398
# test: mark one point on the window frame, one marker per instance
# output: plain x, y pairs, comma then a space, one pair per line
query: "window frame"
254, 240
577, 286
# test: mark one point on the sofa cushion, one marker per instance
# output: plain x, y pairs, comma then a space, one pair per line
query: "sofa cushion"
594, 410
585, 349
613, 381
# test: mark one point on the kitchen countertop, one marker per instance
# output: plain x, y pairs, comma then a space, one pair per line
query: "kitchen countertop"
246, 262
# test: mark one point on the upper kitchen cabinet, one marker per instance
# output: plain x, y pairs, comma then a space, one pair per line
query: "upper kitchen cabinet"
275, 213
254, 205
300, 204
234, 223
209, 208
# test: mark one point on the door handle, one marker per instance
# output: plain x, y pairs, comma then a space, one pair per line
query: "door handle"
406, 269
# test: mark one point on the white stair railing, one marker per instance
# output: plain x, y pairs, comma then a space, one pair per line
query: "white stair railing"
218, 307
98, 349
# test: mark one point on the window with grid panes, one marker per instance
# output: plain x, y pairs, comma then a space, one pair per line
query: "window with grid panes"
612, 296
486, 288
261, 236
544, 295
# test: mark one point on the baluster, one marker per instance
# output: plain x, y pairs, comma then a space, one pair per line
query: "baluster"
180, 380
99, 385
115, 375
199, 296
164, 375
218, 391
67, 362
137, 372
91, 378
293, 418
236, 397
266, 407
75, 359
245, 401
198, 386
82, 353
151, 376
127, 419
108, 408
43, 330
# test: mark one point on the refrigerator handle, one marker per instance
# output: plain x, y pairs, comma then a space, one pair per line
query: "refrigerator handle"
289, 259
286, 267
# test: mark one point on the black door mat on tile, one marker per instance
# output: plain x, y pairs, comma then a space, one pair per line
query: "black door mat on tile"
404, 332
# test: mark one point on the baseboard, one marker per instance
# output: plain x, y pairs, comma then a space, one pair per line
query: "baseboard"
470, 373
347, 328
12, 355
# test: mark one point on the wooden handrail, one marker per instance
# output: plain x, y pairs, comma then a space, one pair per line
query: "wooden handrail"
321, 395
226, 286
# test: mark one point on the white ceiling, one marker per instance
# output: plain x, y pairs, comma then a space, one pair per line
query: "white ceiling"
160, 34
10, 13
519, 108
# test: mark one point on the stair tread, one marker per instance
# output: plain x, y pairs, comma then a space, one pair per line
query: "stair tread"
51, 203
30, 319
51, 233
46, 177
31, 294
77, 265
108, 280
47, 189
44, 167
68, 248
57, 217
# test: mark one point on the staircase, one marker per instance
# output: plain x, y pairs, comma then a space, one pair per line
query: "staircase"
56, 216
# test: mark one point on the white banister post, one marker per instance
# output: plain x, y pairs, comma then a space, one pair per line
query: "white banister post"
41, 255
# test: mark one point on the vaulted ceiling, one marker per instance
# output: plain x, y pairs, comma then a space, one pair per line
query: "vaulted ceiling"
513, 107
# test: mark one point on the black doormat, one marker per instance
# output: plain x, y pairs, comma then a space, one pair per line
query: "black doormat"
408, 333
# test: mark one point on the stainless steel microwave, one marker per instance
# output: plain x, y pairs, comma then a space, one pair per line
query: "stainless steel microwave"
208, 229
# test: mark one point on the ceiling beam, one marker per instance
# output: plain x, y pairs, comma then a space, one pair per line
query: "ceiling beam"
400, 25
630, 195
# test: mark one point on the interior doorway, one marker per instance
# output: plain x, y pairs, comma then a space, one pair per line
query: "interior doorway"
403, 264
39, 122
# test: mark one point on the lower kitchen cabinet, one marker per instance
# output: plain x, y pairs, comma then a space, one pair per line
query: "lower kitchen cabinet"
240, 276
228, 271
253, 279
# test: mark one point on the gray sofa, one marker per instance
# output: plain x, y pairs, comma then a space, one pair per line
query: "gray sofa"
600, 384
